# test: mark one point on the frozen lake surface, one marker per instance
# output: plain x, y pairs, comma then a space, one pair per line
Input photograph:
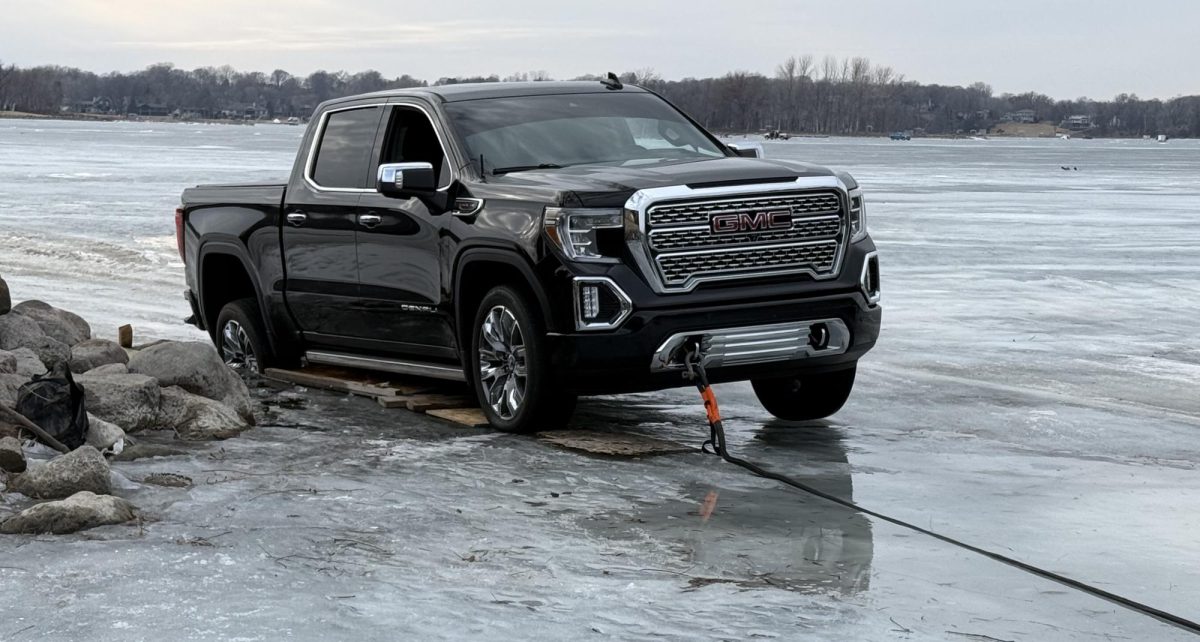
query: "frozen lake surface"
1034, 392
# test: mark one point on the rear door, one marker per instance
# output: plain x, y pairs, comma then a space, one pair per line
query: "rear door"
400, 271
321, 219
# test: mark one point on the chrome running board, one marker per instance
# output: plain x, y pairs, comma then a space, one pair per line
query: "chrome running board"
415, 368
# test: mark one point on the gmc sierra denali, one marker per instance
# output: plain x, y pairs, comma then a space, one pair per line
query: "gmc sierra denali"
538, 241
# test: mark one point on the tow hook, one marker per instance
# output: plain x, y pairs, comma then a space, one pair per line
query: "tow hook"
693, 363
818, 336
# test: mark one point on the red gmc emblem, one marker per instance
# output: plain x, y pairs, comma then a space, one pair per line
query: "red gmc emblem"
751, 222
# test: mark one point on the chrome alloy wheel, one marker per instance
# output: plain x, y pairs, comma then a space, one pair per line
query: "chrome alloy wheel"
502, 366
236, 349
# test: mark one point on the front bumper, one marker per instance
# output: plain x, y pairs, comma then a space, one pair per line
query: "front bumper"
620, 361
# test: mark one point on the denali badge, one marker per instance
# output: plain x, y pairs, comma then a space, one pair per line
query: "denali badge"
751, 222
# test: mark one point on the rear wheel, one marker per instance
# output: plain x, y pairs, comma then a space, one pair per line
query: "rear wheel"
239, 337
517, 389
812, 396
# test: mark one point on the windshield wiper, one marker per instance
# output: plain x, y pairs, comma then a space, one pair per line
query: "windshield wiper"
523, 168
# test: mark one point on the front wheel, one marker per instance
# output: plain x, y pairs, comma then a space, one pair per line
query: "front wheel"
810, 396
516, 386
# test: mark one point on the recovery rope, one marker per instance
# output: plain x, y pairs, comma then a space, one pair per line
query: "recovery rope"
694, 372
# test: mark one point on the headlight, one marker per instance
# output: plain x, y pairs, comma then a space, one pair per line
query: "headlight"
858, 216
576, 231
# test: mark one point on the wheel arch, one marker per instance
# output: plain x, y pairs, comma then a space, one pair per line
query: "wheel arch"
478, 270
226, 274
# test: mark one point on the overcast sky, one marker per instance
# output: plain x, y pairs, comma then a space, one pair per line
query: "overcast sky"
1064, 48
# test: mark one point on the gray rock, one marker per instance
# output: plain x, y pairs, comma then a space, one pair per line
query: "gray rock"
66, 327
9, 384
197, 418
12, 457
50, 351
111, 368
197, 368
28, 363
20, 331
81, 469
5, 298
103, 435
78, 512
8, 362
129, 400
94, 353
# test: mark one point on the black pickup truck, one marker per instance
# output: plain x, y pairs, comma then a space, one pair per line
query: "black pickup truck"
539, 241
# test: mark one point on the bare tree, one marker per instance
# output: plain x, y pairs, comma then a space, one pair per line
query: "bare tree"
7, 76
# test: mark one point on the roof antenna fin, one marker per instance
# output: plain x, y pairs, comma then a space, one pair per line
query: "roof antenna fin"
612, 81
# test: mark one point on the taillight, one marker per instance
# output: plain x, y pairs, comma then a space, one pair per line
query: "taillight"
179, 232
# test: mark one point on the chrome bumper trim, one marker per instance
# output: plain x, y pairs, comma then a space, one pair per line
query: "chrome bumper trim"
756, 344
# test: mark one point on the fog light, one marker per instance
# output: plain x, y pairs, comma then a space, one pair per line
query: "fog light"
869, 281
591, 302
600, 304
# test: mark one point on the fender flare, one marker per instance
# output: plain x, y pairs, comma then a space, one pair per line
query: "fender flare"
229, 248
492, 254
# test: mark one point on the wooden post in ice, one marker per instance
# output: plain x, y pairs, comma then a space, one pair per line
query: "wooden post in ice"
125, 336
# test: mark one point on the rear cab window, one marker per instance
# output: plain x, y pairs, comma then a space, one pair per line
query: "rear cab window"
343, 155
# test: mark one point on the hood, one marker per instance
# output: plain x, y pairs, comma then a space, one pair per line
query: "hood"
611, 186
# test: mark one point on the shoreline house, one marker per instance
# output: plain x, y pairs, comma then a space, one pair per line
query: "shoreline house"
1027, 116
1078, 122
97, 105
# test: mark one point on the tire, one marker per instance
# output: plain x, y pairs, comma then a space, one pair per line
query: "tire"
510, 367
240, 338
806, 397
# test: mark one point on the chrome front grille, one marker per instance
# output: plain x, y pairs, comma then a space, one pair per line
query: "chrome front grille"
678, 268
675, 238
685, 250
698, 212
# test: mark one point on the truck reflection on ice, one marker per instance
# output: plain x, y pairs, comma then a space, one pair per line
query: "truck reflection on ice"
760, 534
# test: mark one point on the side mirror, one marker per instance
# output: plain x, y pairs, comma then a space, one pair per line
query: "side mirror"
400, 179
747, 150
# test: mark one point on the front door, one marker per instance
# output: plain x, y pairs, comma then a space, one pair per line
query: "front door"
321, 221
400, 272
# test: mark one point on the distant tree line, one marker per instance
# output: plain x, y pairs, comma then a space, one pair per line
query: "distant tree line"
805, 96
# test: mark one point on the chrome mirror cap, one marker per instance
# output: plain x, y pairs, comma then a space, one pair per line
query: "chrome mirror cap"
394, 178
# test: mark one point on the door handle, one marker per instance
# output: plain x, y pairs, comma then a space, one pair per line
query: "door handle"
297, 218
369, 220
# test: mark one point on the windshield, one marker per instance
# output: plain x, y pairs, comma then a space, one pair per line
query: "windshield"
532, 132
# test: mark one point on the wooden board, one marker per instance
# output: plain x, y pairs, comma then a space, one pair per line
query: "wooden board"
427, 402
393, 402
613, 443
357, 382
470, 417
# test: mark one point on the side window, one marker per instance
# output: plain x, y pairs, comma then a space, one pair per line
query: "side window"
345, 148
412, 139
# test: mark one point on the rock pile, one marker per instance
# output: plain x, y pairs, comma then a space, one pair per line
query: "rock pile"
181, 387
